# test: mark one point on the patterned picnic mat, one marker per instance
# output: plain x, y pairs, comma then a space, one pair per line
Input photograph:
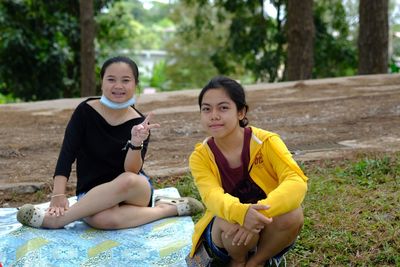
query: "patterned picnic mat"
161, 243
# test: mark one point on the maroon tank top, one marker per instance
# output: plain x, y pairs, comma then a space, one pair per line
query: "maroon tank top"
237, 181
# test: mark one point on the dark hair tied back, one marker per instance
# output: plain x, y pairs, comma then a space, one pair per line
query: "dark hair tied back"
120, 59
233, 89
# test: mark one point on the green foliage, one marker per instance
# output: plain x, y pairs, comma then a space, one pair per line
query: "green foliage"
258, 42
249, 38
396, 46
194, 55
8, 99
117, 30
36, 48
40, 48
234, 38
159, 78
335, 54
126, 27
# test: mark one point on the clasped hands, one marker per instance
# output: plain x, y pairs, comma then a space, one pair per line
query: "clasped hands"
254, 223
140, 132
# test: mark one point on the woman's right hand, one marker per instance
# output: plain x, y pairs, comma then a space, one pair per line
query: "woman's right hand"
140, 132
59, 204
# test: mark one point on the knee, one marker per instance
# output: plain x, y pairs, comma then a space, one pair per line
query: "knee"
128, 180
291, 220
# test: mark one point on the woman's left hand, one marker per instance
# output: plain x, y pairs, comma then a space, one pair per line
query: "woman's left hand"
141, 131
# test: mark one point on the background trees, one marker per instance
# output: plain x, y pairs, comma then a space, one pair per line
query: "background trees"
40, 48
300, 35
373, 37
38, 44
335, 47
87, 27
41, 56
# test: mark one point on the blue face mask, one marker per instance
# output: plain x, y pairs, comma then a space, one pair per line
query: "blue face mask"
110, 104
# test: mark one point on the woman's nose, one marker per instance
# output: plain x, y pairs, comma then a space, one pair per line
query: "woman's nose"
215, 115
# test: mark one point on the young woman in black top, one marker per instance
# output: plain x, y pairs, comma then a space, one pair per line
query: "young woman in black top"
108, 138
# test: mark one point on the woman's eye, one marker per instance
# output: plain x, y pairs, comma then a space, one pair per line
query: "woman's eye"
110, 80
126, 81
204, 109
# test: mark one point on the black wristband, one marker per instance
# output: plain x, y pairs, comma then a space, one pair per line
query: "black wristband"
132, 146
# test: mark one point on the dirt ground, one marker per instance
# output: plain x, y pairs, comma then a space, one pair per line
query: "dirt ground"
318, 119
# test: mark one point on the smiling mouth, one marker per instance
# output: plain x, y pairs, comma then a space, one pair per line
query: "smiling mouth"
118, 93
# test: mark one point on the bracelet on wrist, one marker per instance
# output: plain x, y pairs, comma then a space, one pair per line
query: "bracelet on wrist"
132, 146
57, 195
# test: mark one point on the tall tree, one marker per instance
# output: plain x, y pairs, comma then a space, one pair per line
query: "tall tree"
373, 37
87, 26
300, 37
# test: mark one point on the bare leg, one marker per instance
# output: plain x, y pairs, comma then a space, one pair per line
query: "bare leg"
126, 216
120, 203
237, 253
276, 236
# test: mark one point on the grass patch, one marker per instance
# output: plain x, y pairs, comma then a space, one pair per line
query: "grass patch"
351, 212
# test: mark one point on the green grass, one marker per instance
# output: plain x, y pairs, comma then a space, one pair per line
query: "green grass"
352, 212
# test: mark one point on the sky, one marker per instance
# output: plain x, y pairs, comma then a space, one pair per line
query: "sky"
147, 4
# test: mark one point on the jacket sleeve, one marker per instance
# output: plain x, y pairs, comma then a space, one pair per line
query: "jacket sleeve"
292, 183
221, 204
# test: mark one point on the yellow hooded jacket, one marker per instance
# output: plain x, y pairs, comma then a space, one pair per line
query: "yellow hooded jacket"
271, 167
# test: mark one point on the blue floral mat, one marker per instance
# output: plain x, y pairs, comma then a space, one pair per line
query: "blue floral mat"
161, 243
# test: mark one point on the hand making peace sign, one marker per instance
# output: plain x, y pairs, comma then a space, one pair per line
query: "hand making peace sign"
140, 132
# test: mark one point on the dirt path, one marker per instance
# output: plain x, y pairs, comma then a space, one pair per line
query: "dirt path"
330, 118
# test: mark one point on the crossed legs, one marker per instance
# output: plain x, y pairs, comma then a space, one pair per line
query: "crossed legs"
118, 204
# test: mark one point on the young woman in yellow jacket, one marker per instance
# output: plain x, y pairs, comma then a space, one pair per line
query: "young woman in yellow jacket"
250, 184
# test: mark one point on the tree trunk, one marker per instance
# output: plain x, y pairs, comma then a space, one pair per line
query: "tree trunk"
300, 36
87, 26
373, 37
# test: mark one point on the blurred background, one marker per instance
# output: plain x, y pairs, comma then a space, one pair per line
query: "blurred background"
54, 49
